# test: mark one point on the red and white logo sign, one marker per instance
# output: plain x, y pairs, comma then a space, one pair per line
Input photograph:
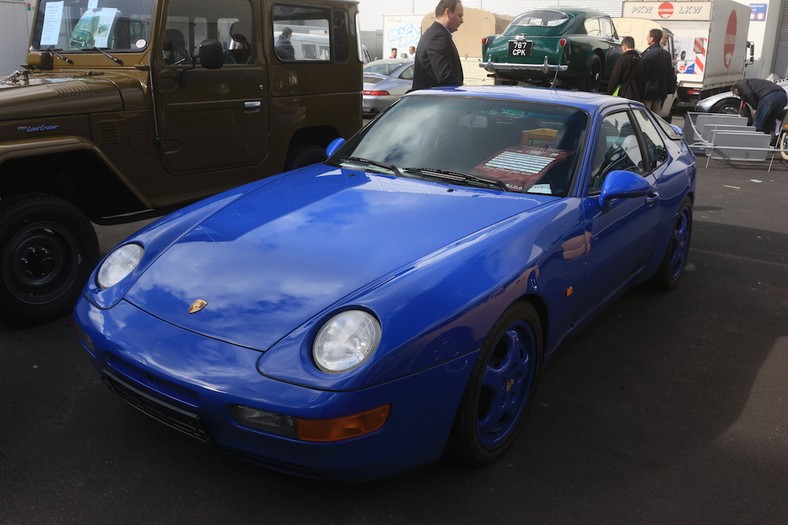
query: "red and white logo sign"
665, 10
730, 41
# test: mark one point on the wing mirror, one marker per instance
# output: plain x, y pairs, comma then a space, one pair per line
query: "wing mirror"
334, 145
620, 184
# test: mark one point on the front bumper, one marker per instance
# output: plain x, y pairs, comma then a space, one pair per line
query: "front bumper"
190, 383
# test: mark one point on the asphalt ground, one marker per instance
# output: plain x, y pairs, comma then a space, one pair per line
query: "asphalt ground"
670, 408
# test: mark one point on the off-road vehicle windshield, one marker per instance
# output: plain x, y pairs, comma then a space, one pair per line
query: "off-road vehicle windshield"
84, 25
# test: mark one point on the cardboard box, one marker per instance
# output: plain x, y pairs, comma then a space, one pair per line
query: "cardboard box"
540, 138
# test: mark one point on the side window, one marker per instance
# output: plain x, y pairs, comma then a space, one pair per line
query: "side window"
309, 34
407, 74
190, 23
617, 148
606, 27
592, 26
655, 146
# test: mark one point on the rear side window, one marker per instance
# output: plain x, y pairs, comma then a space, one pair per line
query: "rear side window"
310, 34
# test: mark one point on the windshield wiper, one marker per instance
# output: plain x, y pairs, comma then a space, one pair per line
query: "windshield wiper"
113, 58
367, 163
455, 176
54, 53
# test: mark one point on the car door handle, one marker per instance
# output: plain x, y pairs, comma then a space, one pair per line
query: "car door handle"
253, 105
652, 198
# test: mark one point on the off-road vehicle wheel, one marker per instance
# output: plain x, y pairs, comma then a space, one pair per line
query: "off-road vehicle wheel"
47, 250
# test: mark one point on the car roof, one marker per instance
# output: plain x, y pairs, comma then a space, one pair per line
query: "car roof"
589, 102
584, 11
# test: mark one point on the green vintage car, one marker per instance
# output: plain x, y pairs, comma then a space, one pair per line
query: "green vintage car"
567, 47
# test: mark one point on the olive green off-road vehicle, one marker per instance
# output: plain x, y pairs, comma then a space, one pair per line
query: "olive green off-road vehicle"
135, 107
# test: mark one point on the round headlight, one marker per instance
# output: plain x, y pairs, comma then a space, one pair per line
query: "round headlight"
119, 264
345, 341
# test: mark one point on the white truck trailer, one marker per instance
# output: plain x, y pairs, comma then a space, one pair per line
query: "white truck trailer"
710, 39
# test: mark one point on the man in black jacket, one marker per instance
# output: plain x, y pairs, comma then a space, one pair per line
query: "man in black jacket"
437, 59
658, 69
766, 97
627, 72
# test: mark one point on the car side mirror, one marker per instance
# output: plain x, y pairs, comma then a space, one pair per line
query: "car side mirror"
211, 54
621, 184
334, 145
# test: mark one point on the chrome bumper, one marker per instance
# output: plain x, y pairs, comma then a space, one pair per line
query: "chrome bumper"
494, 67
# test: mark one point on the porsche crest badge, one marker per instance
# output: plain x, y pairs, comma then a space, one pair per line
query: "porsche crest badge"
197, 305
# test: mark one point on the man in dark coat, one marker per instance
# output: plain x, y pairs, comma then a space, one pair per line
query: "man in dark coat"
627, 72
766, 97
284, 48
437, 59
658, 72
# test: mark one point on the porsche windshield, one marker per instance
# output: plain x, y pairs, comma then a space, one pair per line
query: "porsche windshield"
111, 25
526, 146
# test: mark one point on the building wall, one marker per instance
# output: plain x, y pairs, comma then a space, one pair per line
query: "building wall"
16, 18
372, 11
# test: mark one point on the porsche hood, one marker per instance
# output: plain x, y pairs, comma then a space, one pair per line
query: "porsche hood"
300, 244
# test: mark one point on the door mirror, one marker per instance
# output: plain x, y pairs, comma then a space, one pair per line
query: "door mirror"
622, 184
334, 145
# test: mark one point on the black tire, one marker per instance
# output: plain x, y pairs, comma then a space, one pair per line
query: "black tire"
48, 248
672, 267
501, 388
726, 107
593, 80
782, 145
305, 155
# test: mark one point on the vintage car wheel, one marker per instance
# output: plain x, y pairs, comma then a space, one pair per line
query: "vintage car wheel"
782, 144
593, 80
47, 250
501, 388
672, 267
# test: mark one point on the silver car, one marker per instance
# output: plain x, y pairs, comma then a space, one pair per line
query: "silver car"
726, 102
385, 81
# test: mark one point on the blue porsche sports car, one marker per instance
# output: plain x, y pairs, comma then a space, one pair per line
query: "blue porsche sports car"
361, 317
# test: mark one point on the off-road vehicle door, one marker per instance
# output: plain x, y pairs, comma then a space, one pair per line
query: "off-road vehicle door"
210, 119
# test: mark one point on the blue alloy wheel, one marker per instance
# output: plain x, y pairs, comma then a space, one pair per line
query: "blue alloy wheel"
501, 388
672, 267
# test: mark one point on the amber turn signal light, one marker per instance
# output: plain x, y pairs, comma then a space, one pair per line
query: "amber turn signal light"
326, 430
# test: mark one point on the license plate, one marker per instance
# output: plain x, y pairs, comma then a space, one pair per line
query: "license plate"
520, 48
